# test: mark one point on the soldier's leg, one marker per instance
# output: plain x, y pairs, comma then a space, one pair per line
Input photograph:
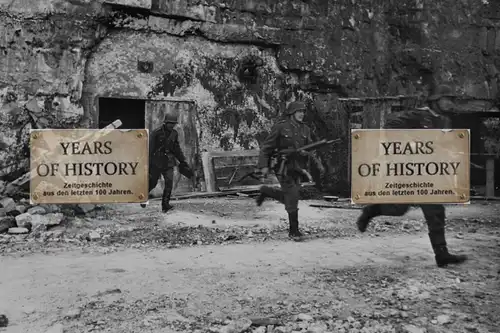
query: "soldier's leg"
168, 176
371, 211
154, 175
435, 216
269, 192
291, 189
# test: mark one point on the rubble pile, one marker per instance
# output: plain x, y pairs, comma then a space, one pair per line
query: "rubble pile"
19, 217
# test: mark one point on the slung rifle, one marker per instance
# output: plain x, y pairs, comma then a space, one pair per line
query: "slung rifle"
281, 156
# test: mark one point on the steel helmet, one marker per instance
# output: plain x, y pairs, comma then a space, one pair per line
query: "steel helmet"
295, 107
170, 118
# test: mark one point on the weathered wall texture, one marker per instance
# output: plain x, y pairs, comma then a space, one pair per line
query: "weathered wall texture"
44, 46
317, 50
192, 68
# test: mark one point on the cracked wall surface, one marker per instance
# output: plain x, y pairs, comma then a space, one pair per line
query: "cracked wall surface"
315, 50
44, 46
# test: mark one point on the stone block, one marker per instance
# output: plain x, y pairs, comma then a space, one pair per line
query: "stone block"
171, 26
8, 204
43, 7
84, 208
183, 8
37, 210
21, 208
24, 218
51, 219
146, 4
6, 223
17, 231
52, 208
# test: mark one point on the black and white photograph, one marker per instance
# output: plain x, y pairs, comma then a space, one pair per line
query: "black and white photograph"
250, 166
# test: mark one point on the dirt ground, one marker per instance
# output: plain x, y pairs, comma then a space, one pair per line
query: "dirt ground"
221, 265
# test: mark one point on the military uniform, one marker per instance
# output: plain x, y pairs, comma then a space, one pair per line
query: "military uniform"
164, 151
287, 134
434, 213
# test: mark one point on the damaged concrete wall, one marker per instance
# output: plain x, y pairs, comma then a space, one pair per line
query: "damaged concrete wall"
316, 50
230, 113
44, 46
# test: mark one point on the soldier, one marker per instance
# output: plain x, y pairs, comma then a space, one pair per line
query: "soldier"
431, 116
164, 150
288, 133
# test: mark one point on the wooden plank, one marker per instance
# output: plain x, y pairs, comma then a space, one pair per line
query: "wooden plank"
336, 206
235, 153
490, 177
381, 98
234, 191
213, 194
241, 166
208, 171
478, 197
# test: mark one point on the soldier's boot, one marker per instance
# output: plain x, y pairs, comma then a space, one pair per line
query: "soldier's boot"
144, 205
442, 256
294, 232
269, 192
369, 212
166, 207
165, 204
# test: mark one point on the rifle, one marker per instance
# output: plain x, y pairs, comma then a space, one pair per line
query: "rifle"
282, 156
286, 153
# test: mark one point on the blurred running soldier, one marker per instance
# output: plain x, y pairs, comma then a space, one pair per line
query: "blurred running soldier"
431, 116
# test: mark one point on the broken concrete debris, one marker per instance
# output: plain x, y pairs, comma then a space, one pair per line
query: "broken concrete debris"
17, 231
306, 323
6, 223
4, 321
22, 218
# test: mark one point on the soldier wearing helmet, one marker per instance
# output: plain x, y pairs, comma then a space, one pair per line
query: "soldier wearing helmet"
431, 116
164, 152
288, 133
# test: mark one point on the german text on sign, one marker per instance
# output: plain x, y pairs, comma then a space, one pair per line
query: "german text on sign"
89, 166
410, 166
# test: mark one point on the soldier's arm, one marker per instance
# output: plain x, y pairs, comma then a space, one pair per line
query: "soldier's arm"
179, 154
313, 155
268, 146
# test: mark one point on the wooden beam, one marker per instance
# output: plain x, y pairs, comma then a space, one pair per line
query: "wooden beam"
235, 153
208, 172
381, 98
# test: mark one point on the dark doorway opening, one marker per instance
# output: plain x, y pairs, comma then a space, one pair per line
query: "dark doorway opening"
481, 141
131, 112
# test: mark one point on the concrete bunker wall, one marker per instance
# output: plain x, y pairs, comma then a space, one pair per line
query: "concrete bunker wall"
186, 68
